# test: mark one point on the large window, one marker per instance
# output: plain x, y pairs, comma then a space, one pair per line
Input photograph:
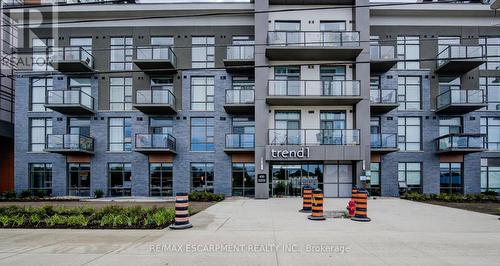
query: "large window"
202, 177
38, 93
410, 177
161, 179
287, 25
243, 179
120, 134
409, 133
451, 180
450, 125
79, 179
445, 41
40, 178
408, 49
490, 174
42, 52
120, 179
203, 52
202, 134
491, 90
39, 129
202, 93
409, 93
121, 53
491, 127
491, 49
332, 26
375, 179
120, 94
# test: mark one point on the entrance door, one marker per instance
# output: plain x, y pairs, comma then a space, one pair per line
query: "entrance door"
288, 180
338, 180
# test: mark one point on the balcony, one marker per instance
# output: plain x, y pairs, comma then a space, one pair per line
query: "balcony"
155, 101
460, 101
155, 143
461, 143
240, 101
382, 58
313, 92
239, 58
311, 2
70, 102
314, 137
313, 45
384, 143
383, 101
239, 143
69, 144
71, 59
155, 59
457, 60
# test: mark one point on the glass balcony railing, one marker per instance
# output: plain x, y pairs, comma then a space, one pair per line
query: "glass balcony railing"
155, 96
156, 52
459, 52
240, 141
72, 53
155, 142
460, 97
384, 141
314, 38
314, 88
461, 141
240, 52
382, 52
314, 137
69, 97
384, 96
70, 142
246, 96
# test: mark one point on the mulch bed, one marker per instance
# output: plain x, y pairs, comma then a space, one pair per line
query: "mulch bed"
482, 207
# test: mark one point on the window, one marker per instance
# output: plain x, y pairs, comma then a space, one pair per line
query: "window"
42, 52
410, 177
120, 179
161, 125
120, 94
445, 41
163, 83
161, 179
451, 178
450, 125
202, 177
121, 53
243, 179
79, 126
375, 179
243, 125
332, 26
408, 49
409, 97
120, 134
447, 83
41, 178
39, 129
202, 93
79, 179
202, 134
287, 25
38, 94
491, 90
490, 174
162, 41
491, 127
330, 123
203, 52
409, 133
491, 49
85, 43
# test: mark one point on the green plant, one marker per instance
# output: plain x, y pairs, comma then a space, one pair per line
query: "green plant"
77, 221
55, 220
205, 196
98, 193
25, 194
17, 221
10, 194
4, 220
35, 219
490, 193
163, 217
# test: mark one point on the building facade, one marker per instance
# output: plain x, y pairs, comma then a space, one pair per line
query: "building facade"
259, 99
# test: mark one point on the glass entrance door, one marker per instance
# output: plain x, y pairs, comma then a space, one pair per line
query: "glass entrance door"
288, 179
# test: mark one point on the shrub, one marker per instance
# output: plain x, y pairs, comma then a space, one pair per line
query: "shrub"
205, 196
56, 220
490, 193
25, 194
9, 194
98, 193
17, 221
4, 220
35, 219
77, 221
163, 217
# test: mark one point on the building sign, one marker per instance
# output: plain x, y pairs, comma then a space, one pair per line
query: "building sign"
261, 178
291, 154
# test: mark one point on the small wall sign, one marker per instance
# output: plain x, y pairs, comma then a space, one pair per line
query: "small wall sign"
261, 178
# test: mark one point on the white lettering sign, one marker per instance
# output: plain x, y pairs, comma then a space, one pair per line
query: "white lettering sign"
285, 154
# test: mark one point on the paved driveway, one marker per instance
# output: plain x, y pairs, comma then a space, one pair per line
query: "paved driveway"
272, 232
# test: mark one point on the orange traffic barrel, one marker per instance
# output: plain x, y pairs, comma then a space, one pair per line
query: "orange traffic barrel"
354, 192
306, 199
317, 206
361, 206
181, 212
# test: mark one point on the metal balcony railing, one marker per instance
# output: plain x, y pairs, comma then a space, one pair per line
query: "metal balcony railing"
155, 96
156, 52
314, 88
382, 52
69, 142
70, 97
384, 96
314, 137
384, 141
72, 53
155, 142
459, 52
461, 141
460, 97
240, 52
240, 141
313, 38
246, 96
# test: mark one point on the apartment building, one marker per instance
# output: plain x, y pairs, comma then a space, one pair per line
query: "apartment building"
259, 99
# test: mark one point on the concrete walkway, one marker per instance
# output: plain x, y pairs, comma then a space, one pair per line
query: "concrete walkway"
272, 232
